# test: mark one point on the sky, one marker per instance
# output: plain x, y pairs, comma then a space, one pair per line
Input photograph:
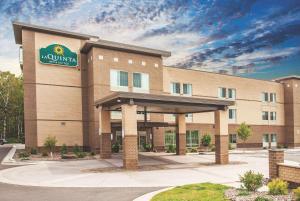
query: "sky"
259, 39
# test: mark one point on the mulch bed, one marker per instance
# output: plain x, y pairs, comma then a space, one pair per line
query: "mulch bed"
233, 194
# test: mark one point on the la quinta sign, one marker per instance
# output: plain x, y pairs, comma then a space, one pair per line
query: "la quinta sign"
58, 55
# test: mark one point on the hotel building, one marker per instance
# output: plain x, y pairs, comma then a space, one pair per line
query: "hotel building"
93, 93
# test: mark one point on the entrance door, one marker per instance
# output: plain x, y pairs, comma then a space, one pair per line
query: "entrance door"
273, 140
265, 140
142, 140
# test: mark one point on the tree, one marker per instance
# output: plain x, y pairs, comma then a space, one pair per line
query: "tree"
50, 143
244, 132
11, 107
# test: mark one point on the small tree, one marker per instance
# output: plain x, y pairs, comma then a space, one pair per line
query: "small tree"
206, 140
50, 144
244, 132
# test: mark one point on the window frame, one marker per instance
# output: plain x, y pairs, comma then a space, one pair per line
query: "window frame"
273, 116
169, 133
118, 86
172, 87
234, 94
233, 114
220, 92
192, 142
188, 89
231, 141
263, 115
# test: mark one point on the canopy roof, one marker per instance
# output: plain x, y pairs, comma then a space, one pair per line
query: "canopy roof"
168, 104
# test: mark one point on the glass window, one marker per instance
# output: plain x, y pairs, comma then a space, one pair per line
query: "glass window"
266, 138
123, 79
265, 115
232, 138
232, 113
170, 138
222, 92
273, 137
192, 138
273, 97
231, 93
175, 88
137, 80
118, 78
273, 116
119, 138
189, 117
187, 89
265, 97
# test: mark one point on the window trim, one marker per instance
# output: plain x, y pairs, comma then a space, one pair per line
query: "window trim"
118, 87
191, 91
263, 114
171, 88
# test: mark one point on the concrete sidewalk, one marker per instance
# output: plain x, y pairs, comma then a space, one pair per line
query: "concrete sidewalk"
74, 174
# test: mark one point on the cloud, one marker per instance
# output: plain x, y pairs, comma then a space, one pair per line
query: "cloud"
235, 36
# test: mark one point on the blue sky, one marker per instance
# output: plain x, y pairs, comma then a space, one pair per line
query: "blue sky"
250, 38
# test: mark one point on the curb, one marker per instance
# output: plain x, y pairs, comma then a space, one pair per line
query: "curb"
9, 156
148, 196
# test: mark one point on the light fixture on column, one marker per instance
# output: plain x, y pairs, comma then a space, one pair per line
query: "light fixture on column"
150, 136
118, 100
111, 136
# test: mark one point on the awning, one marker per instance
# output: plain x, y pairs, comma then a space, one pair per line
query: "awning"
167, 104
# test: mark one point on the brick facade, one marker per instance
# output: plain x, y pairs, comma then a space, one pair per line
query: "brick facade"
221, 143
105, 145
130, 152
275, 156
289, 173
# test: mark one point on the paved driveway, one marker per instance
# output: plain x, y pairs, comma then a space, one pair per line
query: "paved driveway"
9, 192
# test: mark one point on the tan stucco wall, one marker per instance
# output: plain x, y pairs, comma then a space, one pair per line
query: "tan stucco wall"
248, 94
58, 95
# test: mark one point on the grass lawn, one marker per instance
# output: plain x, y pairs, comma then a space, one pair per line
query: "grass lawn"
193, 192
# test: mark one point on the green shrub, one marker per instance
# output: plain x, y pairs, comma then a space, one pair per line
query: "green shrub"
115, 147
147, 147
44, 153
251, 181
206, 140
243, 192
278, 187
63, 149
171, 149
262, 199
13, 140
92, 153
230, 146
280, 146
76, 149
80, 154
33, 151
297, 193
50, 143
24, 155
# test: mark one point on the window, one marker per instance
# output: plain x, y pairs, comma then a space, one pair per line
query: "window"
265, 115
119, 80
265, 97
187, 89
273, 97
273, 137
137, 80
232, 138
192, 138
222, 92
232, 113
170, 138
140, 82
265, 137
189, 117
231, 93
175, 88
273, 116
119, 138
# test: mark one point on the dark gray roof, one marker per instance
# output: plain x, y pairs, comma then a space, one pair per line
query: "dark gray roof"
123, 47
163, 103
18, 26
287, 78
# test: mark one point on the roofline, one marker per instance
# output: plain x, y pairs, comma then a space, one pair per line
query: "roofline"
18, 26
297, 77
236, 76
162, 97
123, 47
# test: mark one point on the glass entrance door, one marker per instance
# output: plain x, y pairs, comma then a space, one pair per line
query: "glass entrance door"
265, 140
142, 140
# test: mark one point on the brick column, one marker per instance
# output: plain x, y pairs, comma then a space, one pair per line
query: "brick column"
221, 137
129, 132
275, 156
105, 134
180, 134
